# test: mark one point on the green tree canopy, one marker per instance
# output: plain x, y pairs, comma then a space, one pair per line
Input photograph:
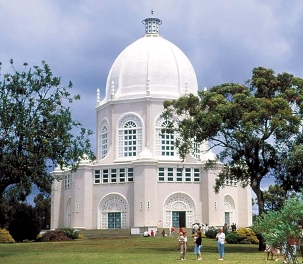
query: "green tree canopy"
37, 131
278, 227
274, 198
254, 125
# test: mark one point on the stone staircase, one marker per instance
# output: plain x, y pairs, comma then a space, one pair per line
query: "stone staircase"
104, 233
101, 233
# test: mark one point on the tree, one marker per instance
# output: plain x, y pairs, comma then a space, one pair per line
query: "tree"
43, 208
274, 198
279, 227
37, 131
25, 223
254, 126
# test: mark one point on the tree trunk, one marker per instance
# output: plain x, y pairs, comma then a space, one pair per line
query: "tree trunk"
257, 190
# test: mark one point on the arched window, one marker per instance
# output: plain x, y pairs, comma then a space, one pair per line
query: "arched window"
130, 137
165, 142
196, 151
104, 142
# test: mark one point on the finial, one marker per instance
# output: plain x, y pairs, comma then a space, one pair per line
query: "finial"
152, 12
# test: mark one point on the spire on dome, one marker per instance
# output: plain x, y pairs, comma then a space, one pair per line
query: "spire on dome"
152, 24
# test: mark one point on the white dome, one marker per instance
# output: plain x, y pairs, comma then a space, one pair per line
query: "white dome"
151, 66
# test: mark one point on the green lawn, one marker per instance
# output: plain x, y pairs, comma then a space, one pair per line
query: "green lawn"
123, 250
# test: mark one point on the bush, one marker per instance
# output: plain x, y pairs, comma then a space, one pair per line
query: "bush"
232, 238
53, 236
247, 236
71, 233
65, 234
25, 224
211, 233
5, 236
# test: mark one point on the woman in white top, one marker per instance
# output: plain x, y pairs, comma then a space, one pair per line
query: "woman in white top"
220, 241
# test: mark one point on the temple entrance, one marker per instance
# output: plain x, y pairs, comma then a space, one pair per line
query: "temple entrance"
179, 218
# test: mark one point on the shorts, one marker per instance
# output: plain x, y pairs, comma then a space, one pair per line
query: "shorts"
198, 249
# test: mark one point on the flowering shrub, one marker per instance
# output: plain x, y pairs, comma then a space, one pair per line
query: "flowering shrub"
5, 236
247, 236
71, 233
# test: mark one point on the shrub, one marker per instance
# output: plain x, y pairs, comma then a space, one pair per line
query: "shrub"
211, 233
64, 234
5, 236
247, 236
71, 233
54, 235
232, 238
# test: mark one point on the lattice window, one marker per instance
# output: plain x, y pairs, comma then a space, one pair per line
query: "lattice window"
196, 151
67, 181
130, 137
104, 141
165, 142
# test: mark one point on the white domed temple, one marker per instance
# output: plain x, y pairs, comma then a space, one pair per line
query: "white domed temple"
138, 181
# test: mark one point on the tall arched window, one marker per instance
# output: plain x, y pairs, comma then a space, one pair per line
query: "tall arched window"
104, 142
103, 139
165, 142
196, 151
130, 137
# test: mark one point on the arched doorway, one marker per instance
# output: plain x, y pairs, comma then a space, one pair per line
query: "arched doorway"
229, 210
113, 212
179, 210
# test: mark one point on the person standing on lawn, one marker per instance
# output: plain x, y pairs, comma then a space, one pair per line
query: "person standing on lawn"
182, 248
220, 241
198, 245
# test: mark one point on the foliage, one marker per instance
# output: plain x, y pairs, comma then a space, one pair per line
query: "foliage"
255, 126
64, 234
274, 198
53, 236
43, 208
37, 131
211, 233
71, 233
247, 236
5, 236
24, 224
242, 236
277, 227
232, 238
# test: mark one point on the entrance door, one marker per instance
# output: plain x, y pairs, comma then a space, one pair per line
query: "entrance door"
114, 220
178, 218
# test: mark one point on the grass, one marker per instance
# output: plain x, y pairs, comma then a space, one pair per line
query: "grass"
124, 250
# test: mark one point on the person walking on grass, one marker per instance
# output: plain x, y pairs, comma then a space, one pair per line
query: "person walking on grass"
220, 241
198, 244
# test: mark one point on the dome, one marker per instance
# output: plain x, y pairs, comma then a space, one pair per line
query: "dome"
151, 66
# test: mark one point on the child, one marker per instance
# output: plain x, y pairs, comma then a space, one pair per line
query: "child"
185, 244
181, 240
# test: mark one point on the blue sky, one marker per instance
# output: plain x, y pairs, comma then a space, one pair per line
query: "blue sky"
80, 39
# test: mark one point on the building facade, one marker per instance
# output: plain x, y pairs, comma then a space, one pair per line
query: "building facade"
138, 180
